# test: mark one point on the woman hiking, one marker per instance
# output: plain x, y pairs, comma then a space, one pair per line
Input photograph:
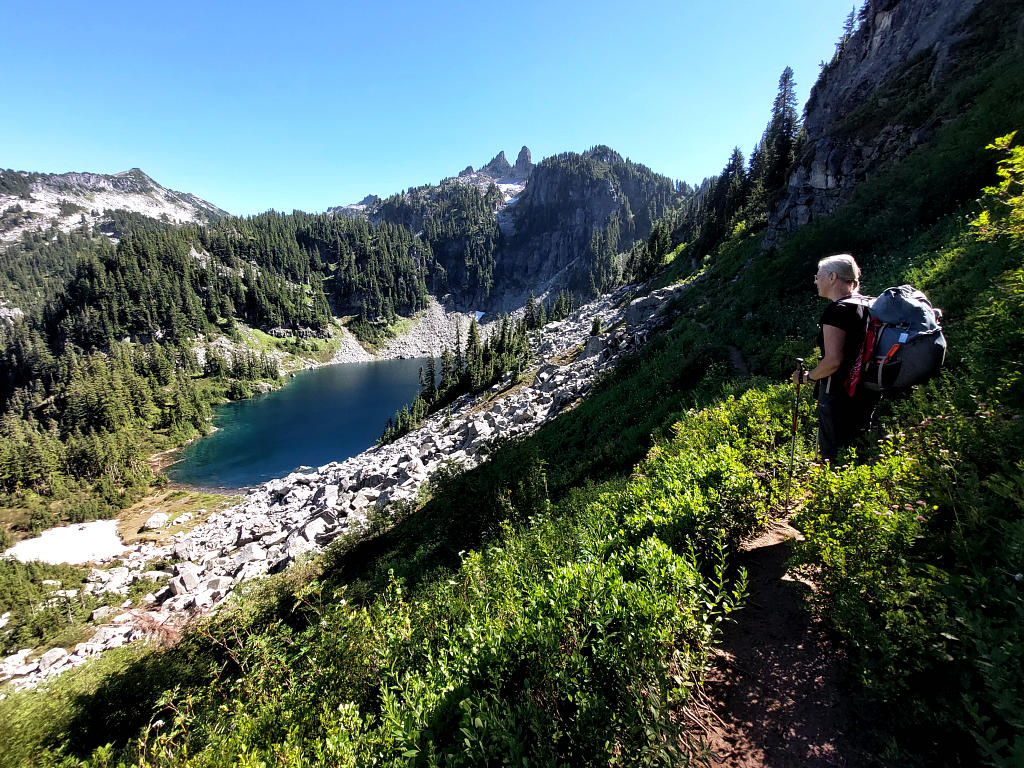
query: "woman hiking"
842, 418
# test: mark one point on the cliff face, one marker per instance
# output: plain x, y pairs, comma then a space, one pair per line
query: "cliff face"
916, 41
548, 234
549, 231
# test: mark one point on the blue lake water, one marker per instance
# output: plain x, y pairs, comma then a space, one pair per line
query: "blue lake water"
321, 415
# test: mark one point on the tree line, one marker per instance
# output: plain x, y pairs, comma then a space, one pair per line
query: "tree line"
477, 365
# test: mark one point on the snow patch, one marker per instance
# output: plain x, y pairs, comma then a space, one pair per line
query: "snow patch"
81, 543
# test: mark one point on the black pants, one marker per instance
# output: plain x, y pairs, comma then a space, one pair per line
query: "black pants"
842, 419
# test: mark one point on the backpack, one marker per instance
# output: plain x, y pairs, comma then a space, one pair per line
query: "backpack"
903, 343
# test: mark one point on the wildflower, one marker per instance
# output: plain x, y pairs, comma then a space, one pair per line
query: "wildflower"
920, 518
894, 507
921, 504
857, 505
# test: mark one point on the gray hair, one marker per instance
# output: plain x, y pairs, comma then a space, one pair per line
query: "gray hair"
843, 266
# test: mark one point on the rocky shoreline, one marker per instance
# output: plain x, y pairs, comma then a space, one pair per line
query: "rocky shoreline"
288, 518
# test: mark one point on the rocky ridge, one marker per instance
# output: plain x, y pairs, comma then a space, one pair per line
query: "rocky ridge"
511, 180
288, 518
32, 202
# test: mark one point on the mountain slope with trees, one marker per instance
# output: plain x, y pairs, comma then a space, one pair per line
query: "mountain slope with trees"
559, 604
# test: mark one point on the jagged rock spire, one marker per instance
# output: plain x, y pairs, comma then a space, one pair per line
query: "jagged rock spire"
498, 167
524, 164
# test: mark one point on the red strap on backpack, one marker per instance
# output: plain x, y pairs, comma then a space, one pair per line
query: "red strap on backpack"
859, 363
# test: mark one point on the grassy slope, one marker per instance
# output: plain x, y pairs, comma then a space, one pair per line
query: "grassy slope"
555, 605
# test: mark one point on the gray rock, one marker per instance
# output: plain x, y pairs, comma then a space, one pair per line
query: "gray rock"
155, 575
100, 613
274, 537
51, 657
593, 346
185, 550
247, 554
180, 603
481, 429
251, 570
156, 521
297, 546
315, 527
297, 496
188, 573
219, 584
326, 496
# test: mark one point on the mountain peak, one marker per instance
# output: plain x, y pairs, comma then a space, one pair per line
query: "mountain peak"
498, 167
524, 164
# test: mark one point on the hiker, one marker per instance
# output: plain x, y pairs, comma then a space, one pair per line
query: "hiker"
842, 419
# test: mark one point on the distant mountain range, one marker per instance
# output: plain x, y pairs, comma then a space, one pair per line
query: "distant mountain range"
34, 202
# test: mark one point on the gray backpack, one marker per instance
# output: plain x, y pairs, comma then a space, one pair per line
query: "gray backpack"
903, 343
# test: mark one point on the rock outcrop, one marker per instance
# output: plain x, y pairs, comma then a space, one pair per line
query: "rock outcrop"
498, 167
524, 164
836, 158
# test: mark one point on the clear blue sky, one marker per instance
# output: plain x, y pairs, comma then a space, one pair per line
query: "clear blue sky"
305, 105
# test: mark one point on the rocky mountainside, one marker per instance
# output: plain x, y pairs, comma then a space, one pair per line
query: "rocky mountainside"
287, 518
33, 202
511, 180
908, 46
575, 216
537, 228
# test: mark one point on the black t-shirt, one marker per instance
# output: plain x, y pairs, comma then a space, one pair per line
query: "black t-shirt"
848, 315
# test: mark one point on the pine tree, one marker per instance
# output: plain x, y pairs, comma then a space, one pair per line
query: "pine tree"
431, 391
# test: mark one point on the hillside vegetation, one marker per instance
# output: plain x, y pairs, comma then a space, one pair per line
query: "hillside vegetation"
558, 604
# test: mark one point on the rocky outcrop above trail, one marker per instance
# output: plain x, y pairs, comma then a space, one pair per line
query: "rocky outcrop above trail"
294, 516
835, 156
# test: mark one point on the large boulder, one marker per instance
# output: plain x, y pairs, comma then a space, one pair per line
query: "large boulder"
326, 496
156, 521
51, 657
188, 576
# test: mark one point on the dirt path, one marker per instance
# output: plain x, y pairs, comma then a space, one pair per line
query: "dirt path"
774, 691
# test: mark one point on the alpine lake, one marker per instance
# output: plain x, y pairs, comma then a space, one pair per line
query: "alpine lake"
321, 415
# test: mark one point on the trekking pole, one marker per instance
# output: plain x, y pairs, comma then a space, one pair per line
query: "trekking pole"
796, 412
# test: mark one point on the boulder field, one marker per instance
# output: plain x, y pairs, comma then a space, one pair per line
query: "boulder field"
291, 517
